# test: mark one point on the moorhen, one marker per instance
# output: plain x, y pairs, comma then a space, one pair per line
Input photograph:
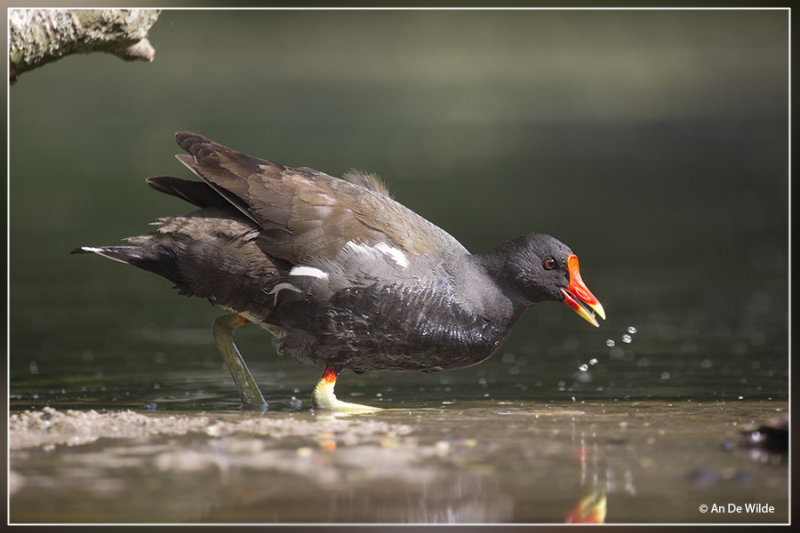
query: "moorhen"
339, 272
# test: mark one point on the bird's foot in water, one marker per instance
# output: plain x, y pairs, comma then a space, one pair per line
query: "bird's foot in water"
323, 397
223, 329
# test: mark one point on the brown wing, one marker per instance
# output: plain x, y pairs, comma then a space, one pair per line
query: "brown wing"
306, 214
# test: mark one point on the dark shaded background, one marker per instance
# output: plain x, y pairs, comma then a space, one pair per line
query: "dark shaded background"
654, 143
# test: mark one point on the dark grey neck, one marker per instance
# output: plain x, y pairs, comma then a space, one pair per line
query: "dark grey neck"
497, 266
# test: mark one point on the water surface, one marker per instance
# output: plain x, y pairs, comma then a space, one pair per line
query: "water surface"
468, 462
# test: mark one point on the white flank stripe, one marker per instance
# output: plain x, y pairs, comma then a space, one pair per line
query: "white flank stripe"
393, 253
360, 248
308, 271
397, 255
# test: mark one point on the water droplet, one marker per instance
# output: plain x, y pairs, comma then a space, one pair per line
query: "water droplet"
626, 339
610, 343
632, 330
584, 367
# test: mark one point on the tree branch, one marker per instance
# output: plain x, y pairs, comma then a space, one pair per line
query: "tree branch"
38, 36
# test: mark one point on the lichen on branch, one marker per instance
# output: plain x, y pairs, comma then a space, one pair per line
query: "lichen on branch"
38, 36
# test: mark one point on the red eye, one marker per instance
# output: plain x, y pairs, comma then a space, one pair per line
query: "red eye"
550, 264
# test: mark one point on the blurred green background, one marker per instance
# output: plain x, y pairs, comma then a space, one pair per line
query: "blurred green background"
654, 143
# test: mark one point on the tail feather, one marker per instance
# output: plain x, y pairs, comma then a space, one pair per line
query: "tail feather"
157, 259
212, 253
111, 252
198, 193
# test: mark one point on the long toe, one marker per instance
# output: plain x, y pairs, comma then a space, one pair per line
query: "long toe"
323, 397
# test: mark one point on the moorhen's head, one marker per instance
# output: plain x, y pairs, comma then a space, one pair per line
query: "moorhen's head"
541, 268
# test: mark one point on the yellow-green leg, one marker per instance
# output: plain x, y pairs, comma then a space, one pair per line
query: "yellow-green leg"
324, 398
223, 335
